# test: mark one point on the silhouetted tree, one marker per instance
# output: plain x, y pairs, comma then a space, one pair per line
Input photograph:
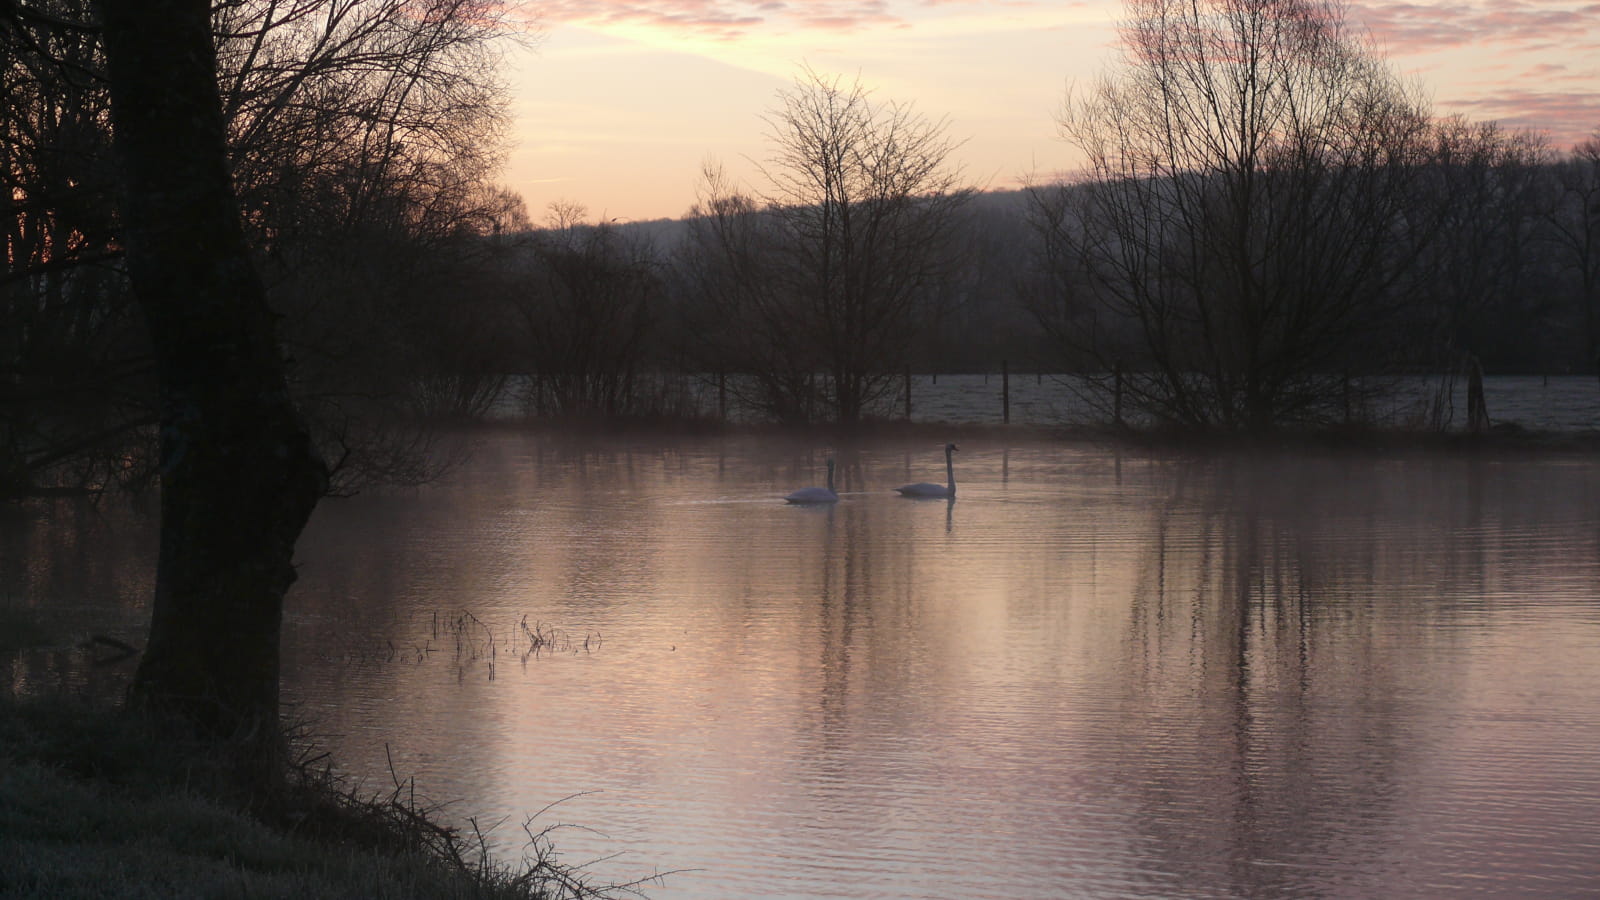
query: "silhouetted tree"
74, 370
825, 271
1246, 213
1574, 226
973, 324
585, 301
1480, 284
361, 137
239, 477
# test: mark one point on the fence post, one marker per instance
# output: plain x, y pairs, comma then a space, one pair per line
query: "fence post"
1005, 392
1477, 410
1116, 397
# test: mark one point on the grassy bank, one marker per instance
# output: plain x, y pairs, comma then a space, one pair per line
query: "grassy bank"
94, 803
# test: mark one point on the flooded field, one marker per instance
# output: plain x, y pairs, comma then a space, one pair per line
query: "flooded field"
1094, 674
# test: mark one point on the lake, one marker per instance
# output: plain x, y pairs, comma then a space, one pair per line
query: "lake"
1095, 674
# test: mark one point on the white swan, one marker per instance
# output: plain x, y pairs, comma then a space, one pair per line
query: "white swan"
816, 494
925, 489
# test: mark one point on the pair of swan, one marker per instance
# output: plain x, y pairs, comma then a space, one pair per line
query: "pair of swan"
920, 489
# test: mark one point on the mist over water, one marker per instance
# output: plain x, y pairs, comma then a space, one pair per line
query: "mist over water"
1092, 675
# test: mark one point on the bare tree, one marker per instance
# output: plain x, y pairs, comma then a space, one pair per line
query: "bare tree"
356, 114
1246, 213
74, 369
1477, 279
824, 272
586, 305
734, 318
361, 137
1574, 223
363, 134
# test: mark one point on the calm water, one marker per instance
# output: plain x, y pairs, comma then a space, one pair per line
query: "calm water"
1090, 676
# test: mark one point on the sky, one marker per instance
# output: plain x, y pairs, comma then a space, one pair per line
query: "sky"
619, 105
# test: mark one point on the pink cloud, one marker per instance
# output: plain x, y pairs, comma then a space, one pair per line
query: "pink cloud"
1566, 117
1552, 72
1526, 24
721, 18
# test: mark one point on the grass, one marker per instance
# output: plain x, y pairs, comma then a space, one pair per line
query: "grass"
96, 803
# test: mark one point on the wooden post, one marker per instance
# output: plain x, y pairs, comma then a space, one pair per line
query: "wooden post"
1116, 397
1477, 411
722, 396
1005, 392
908, 393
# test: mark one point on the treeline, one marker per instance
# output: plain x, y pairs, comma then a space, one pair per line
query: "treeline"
1269, 221
1271, 230
1487, 254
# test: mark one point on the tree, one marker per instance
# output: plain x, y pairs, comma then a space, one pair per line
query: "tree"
1246, 215
239, 476
1478, 281
74, 370
361, 137
1574, 221
586, 302
826, 270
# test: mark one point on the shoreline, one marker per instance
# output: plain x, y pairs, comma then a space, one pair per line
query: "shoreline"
96, 802
1500, 439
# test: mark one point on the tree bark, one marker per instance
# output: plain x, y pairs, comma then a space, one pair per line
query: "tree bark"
239, 476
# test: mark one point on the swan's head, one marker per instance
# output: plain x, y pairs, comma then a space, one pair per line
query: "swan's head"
950, 448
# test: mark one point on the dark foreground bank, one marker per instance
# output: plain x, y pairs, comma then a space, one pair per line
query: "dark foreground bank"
94, 805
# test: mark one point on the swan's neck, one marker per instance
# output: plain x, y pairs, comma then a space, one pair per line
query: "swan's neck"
950, 471
830, 474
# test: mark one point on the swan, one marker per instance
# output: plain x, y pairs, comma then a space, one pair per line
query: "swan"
925, 489
816, 494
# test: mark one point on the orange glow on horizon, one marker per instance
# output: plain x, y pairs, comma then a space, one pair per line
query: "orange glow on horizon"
621, 104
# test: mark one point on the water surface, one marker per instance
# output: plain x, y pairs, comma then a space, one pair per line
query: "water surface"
1092, 675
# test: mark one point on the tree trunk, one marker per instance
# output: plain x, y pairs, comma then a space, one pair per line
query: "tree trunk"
239, 476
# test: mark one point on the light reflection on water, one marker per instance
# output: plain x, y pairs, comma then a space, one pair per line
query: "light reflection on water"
1090, 676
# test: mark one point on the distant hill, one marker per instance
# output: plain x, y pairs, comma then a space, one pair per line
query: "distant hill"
665, 234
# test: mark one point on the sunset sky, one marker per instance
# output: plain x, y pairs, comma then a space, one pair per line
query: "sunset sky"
621, 102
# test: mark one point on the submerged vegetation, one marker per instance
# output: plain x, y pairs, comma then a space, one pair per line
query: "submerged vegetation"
467, 642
